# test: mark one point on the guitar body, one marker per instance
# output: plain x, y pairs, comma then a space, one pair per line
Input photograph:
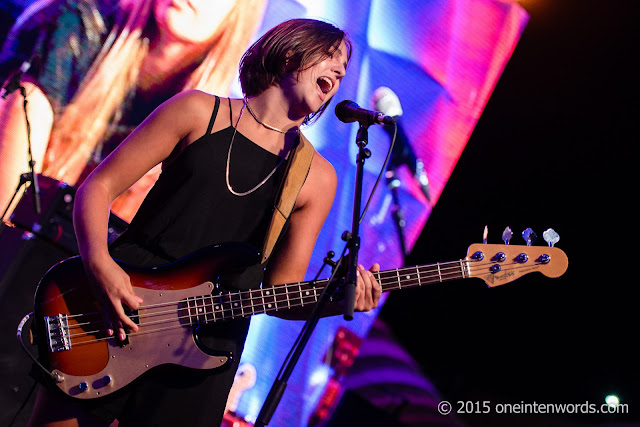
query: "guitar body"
71, 335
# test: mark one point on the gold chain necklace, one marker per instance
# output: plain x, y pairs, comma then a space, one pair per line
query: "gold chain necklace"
261, 183
246, 101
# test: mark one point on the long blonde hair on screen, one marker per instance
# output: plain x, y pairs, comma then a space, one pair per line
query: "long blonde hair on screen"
98, 103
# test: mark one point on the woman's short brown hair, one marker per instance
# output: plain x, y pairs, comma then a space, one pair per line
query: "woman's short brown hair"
293, 45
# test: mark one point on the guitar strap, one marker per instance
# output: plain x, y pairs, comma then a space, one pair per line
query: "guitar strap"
297, 171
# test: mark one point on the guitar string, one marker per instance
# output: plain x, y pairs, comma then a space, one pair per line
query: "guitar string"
166, 328
225, 316
391, 275
223, 312
208, 301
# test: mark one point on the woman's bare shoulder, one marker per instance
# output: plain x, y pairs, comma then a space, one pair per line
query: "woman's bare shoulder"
320, 186
192, 107
323, 171
194, 99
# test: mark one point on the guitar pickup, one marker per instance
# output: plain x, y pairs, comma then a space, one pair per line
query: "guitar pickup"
58, 332
133, 315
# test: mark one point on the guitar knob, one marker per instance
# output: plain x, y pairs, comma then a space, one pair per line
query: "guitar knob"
507, 234
477, 256
529, 236
544, 259
551, 237
499, 257
106, 380
83, 386
522, 258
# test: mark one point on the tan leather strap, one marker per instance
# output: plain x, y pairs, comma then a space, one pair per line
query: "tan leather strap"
296, 175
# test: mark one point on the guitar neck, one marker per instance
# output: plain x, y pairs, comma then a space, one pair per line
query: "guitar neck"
233, 305
410, 277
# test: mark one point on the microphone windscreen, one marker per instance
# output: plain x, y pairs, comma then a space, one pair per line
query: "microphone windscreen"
386, 101
341, 111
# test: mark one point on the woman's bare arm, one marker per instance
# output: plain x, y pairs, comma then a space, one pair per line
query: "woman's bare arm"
291, 259
177, 122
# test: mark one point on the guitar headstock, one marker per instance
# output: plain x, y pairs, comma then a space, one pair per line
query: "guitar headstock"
500, 264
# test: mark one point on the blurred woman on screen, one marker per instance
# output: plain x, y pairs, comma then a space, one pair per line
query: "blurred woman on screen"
98, 68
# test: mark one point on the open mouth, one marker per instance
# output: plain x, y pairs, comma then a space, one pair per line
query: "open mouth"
325, 84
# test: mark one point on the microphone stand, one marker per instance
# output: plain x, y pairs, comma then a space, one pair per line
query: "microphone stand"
353, 245
398, 216
30, 176
353, 238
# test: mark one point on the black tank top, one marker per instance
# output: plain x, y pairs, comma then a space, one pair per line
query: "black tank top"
190, 206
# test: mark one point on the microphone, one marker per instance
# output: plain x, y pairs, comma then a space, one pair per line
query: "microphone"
13, 82
385, 100
348, 111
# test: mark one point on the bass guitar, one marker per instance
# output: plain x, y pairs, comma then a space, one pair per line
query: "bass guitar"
86, 363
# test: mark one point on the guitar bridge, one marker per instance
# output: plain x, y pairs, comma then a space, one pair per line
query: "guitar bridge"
58, 332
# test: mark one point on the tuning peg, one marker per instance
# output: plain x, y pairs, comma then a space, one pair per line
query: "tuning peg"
485, 233
551, 237
507, 234
529, 236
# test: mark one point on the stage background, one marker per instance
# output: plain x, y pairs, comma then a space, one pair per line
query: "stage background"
554, 147
443, 59
549, 150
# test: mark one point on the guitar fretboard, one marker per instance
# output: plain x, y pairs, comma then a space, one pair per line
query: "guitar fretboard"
232, 305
